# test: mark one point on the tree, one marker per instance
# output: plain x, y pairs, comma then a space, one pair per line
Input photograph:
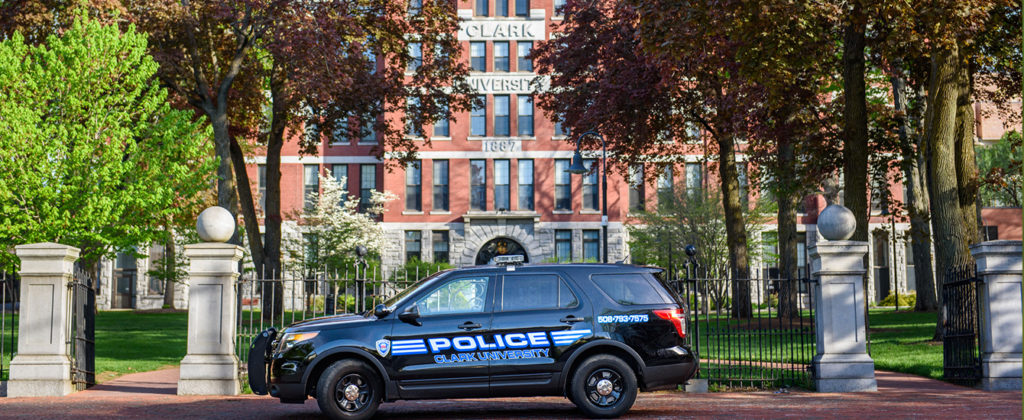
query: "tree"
91, 152
1000, 164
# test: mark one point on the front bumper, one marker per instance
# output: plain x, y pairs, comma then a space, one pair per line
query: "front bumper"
259, 352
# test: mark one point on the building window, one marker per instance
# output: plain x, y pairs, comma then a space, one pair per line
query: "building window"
522, 7
483, 8
501, 7
261, 175
478, 184
310, 185
413, 240
367, 183
637, 193
563, 245
911, 279
591, 248
990, 233
590, 196
439, 240
523, 49
501, 115
478, 117
440, 185
558, 6
340, 173
415, 7
563, 190
413, 187
665, 182
560, 130
525, 122
694, 177
441, 128
412, 129
415, 56
501, 56
525, 192
501, 185
369, 134
478, 56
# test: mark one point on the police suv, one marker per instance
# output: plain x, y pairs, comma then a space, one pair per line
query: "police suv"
595, 333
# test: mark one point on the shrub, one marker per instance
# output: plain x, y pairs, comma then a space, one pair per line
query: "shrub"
908, 300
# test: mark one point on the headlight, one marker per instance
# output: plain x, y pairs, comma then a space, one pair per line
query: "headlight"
290, 339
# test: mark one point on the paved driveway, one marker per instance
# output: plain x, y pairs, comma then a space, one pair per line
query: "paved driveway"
150, 395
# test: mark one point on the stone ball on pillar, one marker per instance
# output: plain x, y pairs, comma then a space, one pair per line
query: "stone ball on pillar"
836, 223
215, 224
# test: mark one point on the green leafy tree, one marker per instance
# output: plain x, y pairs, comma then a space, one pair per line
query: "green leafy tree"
91, 152
999, 165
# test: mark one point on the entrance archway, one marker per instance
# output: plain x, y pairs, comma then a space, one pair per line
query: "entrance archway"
500, 246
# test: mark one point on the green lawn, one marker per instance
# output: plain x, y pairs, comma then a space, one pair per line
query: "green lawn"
901, 342
8, 342
128, 342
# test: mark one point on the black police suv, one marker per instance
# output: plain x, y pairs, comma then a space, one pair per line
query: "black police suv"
595, 333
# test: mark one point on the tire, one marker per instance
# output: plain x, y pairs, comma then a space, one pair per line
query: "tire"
588, 392
338, 401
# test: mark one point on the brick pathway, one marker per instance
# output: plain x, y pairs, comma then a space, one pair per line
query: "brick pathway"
151, 395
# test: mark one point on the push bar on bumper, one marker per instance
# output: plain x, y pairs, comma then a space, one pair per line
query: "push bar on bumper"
259, 352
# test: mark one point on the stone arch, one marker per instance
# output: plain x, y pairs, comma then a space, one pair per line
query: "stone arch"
478, 236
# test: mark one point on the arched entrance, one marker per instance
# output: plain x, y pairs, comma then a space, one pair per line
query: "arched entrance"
500, 246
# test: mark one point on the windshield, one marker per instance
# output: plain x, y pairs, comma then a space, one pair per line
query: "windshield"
394, 300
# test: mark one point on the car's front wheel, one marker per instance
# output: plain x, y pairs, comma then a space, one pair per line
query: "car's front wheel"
603, 386
349, 389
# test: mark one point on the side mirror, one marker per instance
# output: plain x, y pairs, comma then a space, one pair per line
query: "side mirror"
381, 311
410, 315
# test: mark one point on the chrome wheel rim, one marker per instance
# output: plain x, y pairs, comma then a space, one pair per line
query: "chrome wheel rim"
352, 392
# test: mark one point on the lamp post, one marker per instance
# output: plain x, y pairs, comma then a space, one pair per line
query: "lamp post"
577, 168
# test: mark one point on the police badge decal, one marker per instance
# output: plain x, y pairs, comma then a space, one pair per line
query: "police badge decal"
383, 347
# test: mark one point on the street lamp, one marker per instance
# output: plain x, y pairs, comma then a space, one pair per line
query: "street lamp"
577, 168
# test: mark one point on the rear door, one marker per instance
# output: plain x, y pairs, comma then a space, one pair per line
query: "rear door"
538, 318
434, 357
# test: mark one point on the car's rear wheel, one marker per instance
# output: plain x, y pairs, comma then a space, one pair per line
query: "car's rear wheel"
603, 386
349, 389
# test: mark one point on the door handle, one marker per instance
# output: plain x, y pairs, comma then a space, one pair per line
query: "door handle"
571, 319
469, 325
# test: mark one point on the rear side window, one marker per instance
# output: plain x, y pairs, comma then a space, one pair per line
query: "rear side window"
545, 291
630, 289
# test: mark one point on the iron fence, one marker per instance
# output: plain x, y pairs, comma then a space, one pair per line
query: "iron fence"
9, 308
267, 300
756, 333
82, 337
961, 345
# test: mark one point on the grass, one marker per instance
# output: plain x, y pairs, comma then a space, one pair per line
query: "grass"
8, 342
901, 342
129, 342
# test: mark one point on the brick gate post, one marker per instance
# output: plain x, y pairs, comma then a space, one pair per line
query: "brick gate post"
842, 363
999, 269
210, 366
42, 367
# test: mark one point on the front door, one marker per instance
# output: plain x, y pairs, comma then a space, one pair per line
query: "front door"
435, 355
539, 317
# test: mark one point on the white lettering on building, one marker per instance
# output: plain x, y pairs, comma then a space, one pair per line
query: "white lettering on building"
507, 83
503, 145
490, 30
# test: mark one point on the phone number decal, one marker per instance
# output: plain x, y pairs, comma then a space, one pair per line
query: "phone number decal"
609, 319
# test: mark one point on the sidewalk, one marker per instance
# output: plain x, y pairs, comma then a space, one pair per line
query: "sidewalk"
151, 395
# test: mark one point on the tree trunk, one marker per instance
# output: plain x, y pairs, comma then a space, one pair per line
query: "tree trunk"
735, 227
916, 201
855, 123
273, 220
245, 198
940, 134
226, 191
788, 202
966, 165
171, 267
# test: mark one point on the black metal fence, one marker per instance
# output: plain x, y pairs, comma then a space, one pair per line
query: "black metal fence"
277, 301
961, 345
82, 337
750, 333
9, 308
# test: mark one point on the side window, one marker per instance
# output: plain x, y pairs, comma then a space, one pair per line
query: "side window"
629, 289
465, 295
545, 291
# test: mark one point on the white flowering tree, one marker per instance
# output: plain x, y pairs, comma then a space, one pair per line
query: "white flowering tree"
333, 227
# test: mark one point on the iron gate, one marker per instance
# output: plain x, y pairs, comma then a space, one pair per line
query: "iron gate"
769, 342
81, 339
961, 346
9, 296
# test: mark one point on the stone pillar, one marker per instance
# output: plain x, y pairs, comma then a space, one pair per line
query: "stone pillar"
842, 363
42, 366
210, 366
999, 269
